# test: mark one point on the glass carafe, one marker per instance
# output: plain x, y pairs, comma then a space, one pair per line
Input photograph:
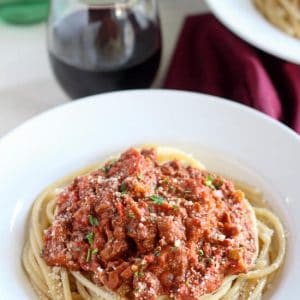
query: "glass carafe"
100, 46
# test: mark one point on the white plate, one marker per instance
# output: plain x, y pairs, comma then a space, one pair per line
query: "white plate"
244, 20
227, 137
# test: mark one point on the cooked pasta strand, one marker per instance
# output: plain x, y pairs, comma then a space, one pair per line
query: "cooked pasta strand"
284, 14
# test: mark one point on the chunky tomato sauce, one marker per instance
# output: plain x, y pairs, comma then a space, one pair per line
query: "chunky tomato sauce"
142, 229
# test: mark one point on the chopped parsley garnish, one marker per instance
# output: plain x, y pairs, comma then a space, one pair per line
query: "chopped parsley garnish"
138, 274
175, 207
165, 180
90, 238
95, 251
88, 255
209, 182
130, 215
123, 188
93, 220
109, 165
157, 252
157, 199
201, 253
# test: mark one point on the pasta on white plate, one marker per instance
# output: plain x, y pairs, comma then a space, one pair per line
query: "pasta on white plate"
284, 14
265, 252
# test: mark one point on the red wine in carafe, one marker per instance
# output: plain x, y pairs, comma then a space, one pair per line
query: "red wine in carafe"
96, 50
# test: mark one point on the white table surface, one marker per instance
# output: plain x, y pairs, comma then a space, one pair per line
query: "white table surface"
27, 85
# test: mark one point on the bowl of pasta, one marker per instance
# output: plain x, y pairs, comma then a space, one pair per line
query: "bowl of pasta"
181, 197
270, 25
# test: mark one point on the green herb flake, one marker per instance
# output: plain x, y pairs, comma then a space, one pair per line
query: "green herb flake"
90, 238
138, 274
95, 251
209, 182
175, 207
109, 165
123, 188
157, 199
130, 215
93, 220
165, 180
201, 253
88, 255
157, 252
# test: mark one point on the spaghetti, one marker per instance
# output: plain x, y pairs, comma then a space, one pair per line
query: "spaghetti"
284, 14
265, 252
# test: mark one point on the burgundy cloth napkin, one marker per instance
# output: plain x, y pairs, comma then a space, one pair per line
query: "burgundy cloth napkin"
210, 59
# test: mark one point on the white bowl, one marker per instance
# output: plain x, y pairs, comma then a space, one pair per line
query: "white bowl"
244, 20
227, 137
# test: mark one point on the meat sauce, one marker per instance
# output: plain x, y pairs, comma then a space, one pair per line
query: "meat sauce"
142, 229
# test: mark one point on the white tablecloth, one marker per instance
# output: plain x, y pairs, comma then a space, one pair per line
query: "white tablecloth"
27, 85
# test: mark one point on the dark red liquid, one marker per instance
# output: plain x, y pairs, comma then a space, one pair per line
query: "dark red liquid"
93, 51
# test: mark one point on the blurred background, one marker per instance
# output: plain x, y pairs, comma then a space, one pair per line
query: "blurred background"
27, 83
246, 51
